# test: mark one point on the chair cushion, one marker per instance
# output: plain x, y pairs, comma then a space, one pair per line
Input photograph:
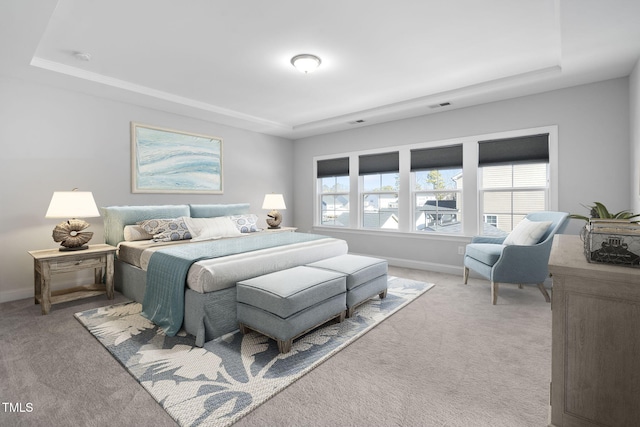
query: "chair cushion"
527, 232
486, 253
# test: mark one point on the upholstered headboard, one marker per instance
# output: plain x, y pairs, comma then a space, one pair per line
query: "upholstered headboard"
116, 217
212, 211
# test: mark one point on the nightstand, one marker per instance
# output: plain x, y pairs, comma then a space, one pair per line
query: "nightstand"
48, 262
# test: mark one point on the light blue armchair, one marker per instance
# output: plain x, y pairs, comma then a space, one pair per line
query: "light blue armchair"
518, 264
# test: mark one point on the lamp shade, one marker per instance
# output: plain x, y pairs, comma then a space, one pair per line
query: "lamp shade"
273, 201
72, 204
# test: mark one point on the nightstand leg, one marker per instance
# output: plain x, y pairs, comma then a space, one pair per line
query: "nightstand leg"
45, 283
108, 279
37, 280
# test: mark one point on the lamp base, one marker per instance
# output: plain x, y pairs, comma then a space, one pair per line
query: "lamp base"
77, 248
274, 218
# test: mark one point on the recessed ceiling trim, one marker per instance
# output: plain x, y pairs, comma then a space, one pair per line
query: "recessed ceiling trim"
421, 105
144, 90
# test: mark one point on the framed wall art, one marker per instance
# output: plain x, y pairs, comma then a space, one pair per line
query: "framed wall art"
171, 161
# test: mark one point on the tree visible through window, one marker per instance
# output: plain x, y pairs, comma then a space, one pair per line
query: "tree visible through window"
437, 189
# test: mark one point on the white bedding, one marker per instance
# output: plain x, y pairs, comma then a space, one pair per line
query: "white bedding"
219, 273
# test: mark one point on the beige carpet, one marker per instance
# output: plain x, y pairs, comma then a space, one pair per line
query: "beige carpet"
449, 358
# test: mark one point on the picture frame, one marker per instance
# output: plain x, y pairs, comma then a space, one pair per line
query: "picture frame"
172, 161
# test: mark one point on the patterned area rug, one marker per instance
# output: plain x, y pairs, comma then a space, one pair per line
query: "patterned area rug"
218, 384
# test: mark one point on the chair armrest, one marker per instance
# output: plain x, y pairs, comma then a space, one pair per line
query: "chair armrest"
523, 264
488, 239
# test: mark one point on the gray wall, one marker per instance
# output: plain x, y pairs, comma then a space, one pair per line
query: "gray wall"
593, 140
54, 139
634, 113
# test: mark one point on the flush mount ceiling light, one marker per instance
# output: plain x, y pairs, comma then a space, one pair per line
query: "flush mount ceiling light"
306, 63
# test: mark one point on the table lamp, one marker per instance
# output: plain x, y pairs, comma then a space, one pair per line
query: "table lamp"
72, 204
274, 202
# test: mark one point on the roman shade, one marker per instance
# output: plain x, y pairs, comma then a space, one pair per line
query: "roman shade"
380, 163
333, 167
523, 149
436, 158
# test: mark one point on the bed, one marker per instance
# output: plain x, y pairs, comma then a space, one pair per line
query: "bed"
189, 283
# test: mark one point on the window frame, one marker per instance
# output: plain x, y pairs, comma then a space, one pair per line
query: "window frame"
322, 193
470, 199
363, 193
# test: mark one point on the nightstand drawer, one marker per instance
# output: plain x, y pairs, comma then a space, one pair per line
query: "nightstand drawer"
60, 265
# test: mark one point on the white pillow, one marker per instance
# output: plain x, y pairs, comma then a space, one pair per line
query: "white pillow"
211, 228
136, 232
527, 233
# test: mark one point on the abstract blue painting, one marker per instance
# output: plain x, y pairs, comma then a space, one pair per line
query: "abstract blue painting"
170, 161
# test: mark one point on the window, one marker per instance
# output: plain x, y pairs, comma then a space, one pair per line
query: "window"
418, 188
437, 189
491, 220
514, 181
379, 180
333, 181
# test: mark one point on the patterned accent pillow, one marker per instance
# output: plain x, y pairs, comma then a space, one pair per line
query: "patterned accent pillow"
245, 223
166, 230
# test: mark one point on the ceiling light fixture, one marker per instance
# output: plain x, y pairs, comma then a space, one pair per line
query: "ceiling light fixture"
306, 63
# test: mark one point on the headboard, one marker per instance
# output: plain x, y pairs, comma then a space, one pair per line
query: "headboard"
116, 217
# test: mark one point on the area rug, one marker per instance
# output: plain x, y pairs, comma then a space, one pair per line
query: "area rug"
221, 382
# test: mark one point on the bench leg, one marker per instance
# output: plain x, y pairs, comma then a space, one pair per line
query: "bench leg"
285, 346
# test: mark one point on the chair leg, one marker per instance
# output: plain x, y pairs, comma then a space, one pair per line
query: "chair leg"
494, 293
520, 286
466, 275
544, 292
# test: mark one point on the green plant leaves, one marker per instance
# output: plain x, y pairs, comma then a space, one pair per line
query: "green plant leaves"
598, 210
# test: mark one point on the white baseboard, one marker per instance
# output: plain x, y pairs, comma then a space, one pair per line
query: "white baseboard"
422, 265
16, 294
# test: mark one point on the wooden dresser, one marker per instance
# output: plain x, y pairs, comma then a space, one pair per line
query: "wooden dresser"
595, 361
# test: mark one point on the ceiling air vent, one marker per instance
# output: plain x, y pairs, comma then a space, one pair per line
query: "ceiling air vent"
442, 104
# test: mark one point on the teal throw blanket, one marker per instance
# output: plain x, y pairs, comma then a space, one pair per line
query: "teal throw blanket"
163, 302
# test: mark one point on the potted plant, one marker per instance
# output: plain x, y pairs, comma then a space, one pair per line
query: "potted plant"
598, 210
610, 242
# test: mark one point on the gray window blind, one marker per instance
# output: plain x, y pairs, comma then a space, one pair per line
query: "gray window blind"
379, 163
436, 158
524, 149
333, 167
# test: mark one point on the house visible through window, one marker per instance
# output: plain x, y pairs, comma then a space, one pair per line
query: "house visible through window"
514, 181
333, 177
380, 184
437, 189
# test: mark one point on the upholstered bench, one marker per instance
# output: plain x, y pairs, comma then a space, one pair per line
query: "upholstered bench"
366, 277
288, 303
